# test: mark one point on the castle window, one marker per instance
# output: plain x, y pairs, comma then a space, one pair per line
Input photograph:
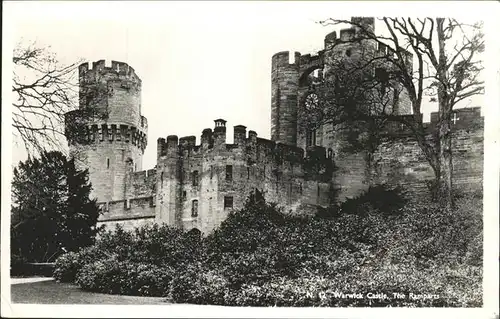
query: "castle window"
211, 172
311, 138
107, 162
248, 172
348, 52
184, 195
194, 208
229, 172
228, 202
127, 204
90, 96
330, 153
195, 178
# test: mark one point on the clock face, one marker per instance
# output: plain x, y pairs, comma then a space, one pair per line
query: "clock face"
311, 101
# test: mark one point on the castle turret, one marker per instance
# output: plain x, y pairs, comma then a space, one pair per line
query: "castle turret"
107, 134
284, 86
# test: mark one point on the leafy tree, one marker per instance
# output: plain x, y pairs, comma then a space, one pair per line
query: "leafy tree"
51, 210
360, 90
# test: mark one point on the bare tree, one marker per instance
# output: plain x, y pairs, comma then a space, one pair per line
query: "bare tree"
446, 54
44, 90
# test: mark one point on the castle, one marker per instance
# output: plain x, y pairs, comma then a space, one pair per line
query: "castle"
195, 186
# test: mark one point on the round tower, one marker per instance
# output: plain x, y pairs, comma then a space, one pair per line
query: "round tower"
284, 91
107, 134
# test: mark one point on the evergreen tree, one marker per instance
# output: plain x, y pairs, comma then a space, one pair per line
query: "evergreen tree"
51, 208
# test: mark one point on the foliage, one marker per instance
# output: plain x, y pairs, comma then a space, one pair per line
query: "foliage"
140, 262
379, 198
196, 284
260, 256
67, 266
51, 210
314, 291
110, 275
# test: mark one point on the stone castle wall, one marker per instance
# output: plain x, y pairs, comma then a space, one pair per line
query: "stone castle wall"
200, 173
129, 213
400, 161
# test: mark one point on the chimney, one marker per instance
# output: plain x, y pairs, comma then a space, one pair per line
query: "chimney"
219, 132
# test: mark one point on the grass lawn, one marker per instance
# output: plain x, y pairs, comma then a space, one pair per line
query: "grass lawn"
51, 292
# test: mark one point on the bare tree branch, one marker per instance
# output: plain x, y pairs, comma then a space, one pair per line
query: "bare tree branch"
43, 91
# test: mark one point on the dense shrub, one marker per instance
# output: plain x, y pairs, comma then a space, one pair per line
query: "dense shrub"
261, 256
381, 198
198, 285
420, 289
67, 266
141, 262
126, 278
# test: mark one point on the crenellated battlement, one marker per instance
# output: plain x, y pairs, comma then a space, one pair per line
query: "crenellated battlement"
84, 132
133, 208
120, 69
282, 58
256, 149
461, 119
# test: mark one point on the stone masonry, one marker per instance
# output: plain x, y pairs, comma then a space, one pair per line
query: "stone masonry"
195, 186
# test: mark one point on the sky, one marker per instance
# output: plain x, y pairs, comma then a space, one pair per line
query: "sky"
197, 61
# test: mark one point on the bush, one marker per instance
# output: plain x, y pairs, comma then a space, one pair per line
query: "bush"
421, 288
114, 277
381, 198
199, 285
66, 267
68, 264
164, 245
260, 256
135, 263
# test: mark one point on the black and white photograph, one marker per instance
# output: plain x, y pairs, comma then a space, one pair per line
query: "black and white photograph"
250, 159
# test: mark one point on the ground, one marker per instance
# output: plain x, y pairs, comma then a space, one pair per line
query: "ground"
38, 291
